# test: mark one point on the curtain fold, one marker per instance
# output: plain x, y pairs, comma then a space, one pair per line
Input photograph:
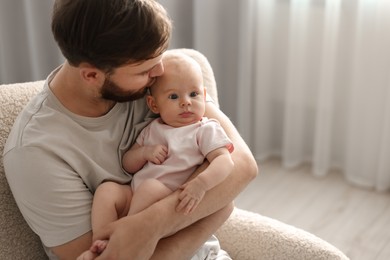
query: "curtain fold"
368, 99
326, 93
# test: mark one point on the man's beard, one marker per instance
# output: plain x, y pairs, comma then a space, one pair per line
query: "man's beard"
112, 91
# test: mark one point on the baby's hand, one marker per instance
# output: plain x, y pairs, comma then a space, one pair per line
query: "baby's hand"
192, 194
156, 154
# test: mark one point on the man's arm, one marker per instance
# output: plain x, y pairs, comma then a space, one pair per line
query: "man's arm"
187, 241
141, 232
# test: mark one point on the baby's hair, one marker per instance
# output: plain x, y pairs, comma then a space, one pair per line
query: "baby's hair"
179, 61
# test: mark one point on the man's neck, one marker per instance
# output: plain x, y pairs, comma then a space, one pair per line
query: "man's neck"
77, 96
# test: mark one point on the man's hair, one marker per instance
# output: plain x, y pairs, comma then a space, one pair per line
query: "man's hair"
110, 33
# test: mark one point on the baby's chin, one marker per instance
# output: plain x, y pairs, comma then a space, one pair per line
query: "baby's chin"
181, 123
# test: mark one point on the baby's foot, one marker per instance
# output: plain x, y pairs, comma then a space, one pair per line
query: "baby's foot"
98, 246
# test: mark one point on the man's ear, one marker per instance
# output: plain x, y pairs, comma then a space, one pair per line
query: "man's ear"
91, 74
152, 104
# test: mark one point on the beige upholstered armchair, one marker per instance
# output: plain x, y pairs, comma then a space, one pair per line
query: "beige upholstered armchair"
245, 235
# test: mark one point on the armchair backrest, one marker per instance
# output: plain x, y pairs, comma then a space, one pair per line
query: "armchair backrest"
17, 240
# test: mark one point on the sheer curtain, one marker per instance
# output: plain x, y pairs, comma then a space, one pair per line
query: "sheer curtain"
321, 76
308, 81
312, 81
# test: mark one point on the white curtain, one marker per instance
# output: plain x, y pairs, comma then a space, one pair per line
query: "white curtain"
305, 80
312, 81
319, 74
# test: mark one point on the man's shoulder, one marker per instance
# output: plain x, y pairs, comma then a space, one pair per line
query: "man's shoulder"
25, 120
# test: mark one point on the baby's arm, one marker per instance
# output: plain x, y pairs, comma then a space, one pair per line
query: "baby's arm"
221, 164
136, 157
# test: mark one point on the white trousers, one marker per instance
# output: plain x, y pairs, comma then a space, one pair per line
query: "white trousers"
211, 250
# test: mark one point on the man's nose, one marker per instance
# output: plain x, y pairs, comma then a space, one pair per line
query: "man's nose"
157, 70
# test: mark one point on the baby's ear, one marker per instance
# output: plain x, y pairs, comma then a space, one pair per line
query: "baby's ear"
205, 93
152, 104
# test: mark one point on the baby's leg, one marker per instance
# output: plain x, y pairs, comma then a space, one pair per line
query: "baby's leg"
111, 202
147, 193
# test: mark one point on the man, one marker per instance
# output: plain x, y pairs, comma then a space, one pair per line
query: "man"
72, 136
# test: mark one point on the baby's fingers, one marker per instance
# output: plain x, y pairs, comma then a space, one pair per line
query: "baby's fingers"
191, 205
183, 204
187, 205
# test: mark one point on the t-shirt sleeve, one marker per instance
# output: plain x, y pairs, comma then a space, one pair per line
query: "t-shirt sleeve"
52, 198
212, 136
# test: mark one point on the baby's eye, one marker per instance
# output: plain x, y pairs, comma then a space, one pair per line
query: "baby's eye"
173, 96
194, 94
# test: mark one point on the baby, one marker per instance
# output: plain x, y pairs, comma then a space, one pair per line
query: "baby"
171, 147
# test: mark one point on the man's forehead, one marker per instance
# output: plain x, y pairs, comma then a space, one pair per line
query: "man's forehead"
140, 66
151, 62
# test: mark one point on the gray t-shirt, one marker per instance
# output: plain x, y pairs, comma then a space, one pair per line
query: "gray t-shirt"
54, 160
